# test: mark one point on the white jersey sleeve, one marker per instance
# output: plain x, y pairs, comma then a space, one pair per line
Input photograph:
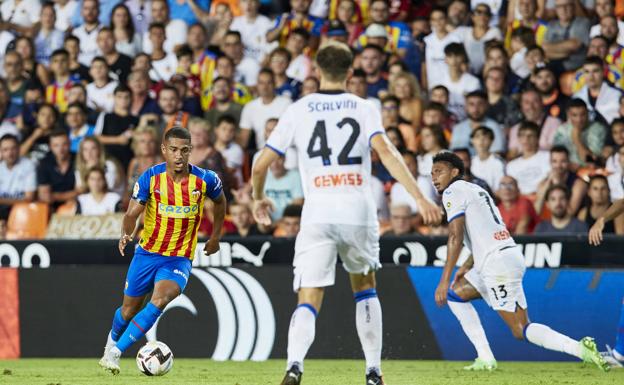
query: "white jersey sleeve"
373, 124
284, 133
455, 202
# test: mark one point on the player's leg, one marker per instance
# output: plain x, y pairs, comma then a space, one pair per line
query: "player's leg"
618, 351
128, 309
459, 296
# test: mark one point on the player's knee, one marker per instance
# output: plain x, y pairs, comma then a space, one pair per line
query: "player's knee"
128, 311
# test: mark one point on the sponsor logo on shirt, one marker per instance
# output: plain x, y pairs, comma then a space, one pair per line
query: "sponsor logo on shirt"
502, 235
173, 211
335, 180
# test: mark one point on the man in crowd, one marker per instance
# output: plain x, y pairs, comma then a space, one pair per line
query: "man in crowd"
516, 210
476, 107
561, 221
18, 181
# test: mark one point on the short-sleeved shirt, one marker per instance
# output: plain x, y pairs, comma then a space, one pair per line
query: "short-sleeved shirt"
529, 172
520, 208
25, 14
255, 115
173, 210
578, 29
49, 174
593, 137
484, 230
462, 131
311, 24
18, 180
282, 191
112, 125
573, 227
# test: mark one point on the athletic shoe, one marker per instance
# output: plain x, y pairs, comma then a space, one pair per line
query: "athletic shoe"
373, 378
110, 361
292, 377
611, 358
482, 365
109, 344
590, 354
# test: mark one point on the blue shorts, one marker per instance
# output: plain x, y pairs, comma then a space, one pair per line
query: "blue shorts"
148, 268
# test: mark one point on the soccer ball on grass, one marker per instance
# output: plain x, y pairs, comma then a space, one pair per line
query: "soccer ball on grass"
154, 359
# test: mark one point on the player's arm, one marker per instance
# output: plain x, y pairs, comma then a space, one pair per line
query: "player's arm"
218, 212
262, 206
454, 246
595, 233
135, 209
392, 160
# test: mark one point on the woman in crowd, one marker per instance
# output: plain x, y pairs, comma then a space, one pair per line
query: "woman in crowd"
97, 200
33, 70
346, 13
91, 154
127, 41
598, 201
405, 87
146, 154
432, 141
36, 145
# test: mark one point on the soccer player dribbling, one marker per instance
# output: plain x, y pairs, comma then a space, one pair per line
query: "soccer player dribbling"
172, 195
493, 272
614, 356
333, 132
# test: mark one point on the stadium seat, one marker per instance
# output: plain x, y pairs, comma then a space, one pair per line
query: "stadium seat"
28, 221
67, 209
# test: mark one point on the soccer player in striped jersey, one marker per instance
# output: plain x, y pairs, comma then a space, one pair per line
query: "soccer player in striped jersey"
172, 195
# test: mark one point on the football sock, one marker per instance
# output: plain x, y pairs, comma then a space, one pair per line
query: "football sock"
619, 340
542, 335
300, 334
140, 324
471, 324
368, 322
119, 325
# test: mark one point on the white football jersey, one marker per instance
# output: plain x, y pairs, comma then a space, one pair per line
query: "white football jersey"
485, 230
331, 132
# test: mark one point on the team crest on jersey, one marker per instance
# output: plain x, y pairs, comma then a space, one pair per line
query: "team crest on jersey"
448, 205
135, 191
195, 194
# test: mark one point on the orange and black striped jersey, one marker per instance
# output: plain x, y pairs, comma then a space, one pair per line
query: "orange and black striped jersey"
173, 210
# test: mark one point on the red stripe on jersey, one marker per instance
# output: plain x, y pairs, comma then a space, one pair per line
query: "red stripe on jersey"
189, 247
185, 221
154, 235
170, 221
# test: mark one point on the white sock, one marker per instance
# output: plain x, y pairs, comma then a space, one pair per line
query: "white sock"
470, 322
368, 321
300, 334
542, 335
617, 355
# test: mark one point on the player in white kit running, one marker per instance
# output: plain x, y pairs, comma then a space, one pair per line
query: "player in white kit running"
493, 272
333, 132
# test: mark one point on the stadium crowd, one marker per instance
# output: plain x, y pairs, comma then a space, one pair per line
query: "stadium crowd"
527, 92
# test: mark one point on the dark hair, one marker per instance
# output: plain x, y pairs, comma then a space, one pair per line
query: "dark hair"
438, 8
373, 47
438, 134
358, 73
267, 71
122, 88
601, 37
576, 103
130, 26
168, 87
477, 94
456, 49
100, 59
200, 26
178, 132
526, 125
334, 61
401, 146
226, 119
281, 51
561, 149
559, 187
58, 132
593, 59
536, 47
51, 107
301, 32
9, 137
435, 106
451, 159
82, 107
99, 169
221, 78
442, 88
463, 150
615, 121
525, 34
487, 131
390, 98
292, 211
60, 51
71, 38
231, 32
105, 29
184, 50
157, 25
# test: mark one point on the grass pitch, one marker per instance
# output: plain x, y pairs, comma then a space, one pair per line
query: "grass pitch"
317, 372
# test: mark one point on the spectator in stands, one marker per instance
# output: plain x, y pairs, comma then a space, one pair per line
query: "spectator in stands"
18, 181
225, 133
7, 126
100, 93
616, 178
474, 38
114, 129
398, 193
300, 66
502, 108
398, 33
598, 202
612, 163
583, 139
435, 66
62, 80
400, 221
163, 63
222, 102
533, 111
390, 118
246, 69
310, 85
372, 61
476, 106
36, 145
486, 165
87, 32
79, 128
56, 182
567, 37
405, 87
279, 60
348, 21
77, 70
253, 28
175, 30
283, 187
464, 155
258, 111
146, 154
298, 17
601, 99
91, 154
526, 15
242, 219
458, 14
127, 37
16, 84
36, 71
522, 39
118, 63
532, 166
497, 56
561, 221
48, 38
516, 210
170, 104
78, 94
97, 200
225, 68
190, 102
290, 222
20, 17
142, 102
432, 141
603, 9
357, 85
435, 114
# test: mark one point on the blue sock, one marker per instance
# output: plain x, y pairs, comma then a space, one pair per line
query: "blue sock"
119, 325
139, 325
619, 340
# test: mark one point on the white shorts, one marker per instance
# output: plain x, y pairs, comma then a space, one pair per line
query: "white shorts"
316, 248
500, 280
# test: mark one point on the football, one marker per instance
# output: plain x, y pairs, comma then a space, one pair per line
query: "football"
154, 359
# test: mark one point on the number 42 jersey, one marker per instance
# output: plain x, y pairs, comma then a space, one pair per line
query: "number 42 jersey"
331, 132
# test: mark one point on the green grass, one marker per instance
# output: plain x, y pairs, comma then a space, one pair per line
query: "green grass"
318, 372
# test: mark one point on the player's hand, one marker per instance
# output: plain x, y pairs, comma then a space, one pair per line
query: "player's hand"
212, 246
123, 242
595, 233
262, 210
431, 213
441, 293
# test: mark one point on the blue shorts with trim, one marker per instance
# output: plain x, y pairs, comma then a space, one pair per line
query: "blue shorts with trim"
148, 268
